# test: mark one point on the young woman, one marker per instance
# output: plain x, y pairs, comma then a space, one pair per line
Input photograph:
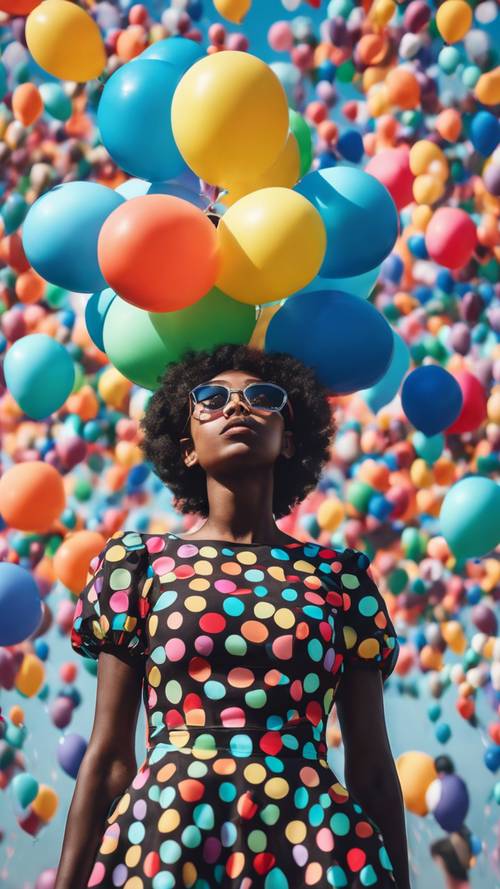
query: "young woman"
244, 638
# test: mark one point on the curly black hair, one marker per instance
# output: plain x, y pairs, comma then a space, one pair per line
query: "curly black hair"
164, 423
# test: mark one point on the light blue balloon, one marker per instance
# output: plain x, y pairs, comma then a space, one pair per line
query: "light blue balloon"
358, 285
346, 341
20, 604
134, 188
428, 448
61, 231
470, 516
134, 119
388, 386
179, 51
360, 218
95, 315
56, 102
39, 373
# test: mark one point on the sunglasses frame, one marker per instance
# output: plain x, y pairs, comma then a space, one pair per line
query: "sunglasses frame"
230, 391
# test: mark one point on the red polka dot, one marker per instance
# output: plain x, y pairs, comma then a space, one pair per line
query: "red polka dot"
356, 859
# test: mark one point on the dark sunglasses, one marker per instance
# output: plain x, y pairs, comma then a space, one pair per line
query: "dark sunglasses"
211, 398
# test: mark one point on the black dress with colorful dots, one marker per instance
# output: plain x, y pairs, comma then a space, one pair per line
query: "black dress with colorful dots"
243, 647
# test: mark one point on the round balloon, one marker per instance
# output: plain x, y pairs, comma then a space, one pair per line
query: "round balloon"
134, 119
272, 243
32, 496
181, 52
474, 410
469, 517
284, 173
64, 224
431, 398
40, 374
159, 253
386, 389
20, 604
65, 41
360, 218
136, 188
450, 237
346, 341
95, 314
392, 168
230, 117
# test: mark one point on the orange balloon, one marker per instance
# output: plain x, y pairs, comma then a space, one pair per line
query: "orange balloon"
449, 124
18, 7
403, 88
12, 253
72, 559
30, 287
159, 252
27, 103
131, 43
32, 496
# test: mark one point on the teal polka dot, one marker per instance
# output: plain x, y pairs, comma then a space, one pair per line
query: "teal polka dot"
241, 745
136, 833
167, 797
170, 851
384, 859
163, 880
253, 575
256, 699
214, 690
313, 611
368, 606
260, 590
227, 792
316, 815
336, 876
315, 650
275, 765
233, 606
191, 836
280, 554
203, 816
368, 876
311, 550
289, 594
301, 798
311, 683
276, 879
340, 824
158, 655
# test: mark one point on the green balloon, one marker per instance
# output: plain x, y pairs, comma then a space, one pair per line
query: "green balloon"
55, 101
359, 495
302, 132
140, 344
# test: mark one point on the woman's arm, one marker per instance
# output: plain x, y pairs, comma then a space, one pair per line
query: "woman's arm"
107, 768
370, 771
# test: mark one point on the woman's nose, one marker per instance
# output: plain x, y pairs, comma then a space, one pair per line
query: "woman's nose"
236, 402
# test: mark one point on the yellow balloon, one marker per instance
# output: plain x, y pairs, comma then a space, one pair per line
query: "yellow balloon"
272, 243
45, 803
230, 117
416, 770
427, 189
284, 172
31, 676
453, 20
258, 337
425, 153
65, 41
233, 10
330, 514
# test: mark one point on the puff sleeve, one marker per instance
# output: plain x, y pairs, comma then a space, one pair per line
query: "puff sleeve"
111, 610
369, 637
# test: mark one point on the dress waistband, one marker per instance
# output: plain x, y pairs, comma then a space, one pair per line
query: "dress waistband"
253, 741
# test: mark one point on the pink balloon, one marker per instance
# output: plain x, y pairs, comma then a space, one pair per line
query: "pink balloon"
392, 168
450, 237
280, 37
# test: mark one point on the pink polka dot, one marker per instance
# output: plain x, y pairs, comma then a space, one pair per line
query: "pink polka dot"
225, 586
141, 779
119, 602
155, 544
324, 839
97, 875
204, 645
163, 565
187, 551
175, 649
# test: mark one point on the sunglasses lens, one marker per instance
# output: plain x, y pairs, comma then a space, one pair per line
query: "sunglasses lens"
264, 395
211, 397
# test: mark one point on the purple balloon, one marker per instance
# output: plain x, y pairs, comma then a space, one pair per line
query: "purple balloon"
453, 804
484, 619
70, 753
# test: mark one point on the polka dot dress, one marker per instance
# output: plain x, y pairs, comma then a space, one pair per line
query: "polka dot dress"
243, 648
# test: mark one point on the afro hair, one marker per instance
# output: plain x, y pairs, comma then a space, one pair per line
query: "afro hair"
165, 418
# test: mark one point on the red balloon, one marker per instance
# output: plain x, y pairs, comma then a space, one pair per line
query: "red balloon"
450, 237
18, 7
392, 168
474, 408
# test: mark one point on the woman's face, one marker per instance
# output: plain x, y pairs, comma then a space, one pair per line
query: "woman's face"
218, 445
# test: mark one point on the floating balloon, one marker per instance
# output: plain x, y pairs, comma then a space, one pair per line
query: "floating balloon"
27, 103
392, 168
20, 604
447, 798
180, 52
159, 252
302, 132
95, 314
64, 224
431, 398
343, 338
474, 407
469, 517
32, 496
39, 373
360, 218
283, 173
233, 10
453, 20
387, 387
272, 243
223, 147
56, 102
70, 752
65, 41
450, 237
416, 772
73, 556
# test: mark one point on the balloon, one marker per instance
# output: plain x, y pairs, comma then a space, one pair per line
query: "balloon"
272, 243
230, 116
70, 752
428, 448
46, 802
181, 52
487, 88
18, 7
164, 337
39, 373
403, 89
25, 789
95, 315
64, 223
135, 188
474, 407
20, 604
447, 798
302, 132
233, 10
346, 341
450, 237
134, 119
431, 398
159, 252
360, 218
485, 132
392, 168
416, 771
453, 20
32, 496
469, 517
73, 556
55, 100
358, 285
284, 173
387, 387
27, 103
65, 41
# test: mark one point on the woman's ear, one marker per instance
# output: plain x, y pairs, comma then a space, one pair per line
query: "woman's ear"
288, 444
188, 451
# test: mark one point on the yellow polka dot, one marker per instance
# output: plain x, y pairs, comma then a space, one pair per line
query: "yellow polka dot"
350, 636
264, 609
130, 623
277, 572
369, 648
246, 557
154, 677
152, 624
189, 874
108, 845
296, 831
208, 552
255, 773
169, 820
199, 584
132, 857
202, 566
169, 577
134, 883
276, 788
285, 618
302, 565
123, 804
195, 603
116, 553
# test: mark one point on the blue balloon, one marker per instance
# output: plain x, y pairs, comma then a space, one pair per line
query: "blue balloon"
359, 285
20, 604
70, 752
61, 231
360, 218
39, 373
350, 146
469, 516
178, 51
134, 188
95, 314
346, 341
387, 387
485, 132
431, 398
134, 119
